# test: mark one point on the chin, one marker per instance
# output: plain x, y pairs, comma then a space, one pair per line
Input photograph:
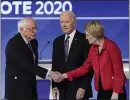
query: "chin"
67, 33
89, 42
33, 38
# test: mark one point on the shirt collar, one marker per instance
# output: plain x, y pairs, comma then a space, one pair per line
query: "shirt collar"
25, 40
71, 34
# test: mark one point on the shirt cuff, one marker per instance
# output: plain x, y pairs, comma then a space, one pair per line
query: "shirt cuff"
48, 75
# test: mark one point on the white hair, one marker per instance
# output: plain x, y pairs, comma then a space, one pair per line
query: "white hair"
21, 23
70, 13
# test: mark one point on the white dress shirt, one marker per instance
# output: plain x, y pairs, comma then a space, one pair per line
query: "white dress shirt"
71, 38
25, 40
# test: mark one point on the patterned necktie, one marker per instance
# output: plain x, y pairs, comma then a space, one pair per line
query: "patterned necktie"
30, 47
66, 47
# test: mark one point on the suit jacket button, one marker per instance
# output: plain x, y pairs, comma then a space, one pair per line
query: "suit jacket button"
15, 77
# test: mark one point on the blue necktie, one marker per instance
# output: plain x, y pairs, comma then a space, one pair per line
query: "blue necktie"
66, 47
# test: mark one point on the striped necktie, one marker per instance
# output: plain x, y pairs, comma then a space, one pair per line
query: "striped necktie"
66, 47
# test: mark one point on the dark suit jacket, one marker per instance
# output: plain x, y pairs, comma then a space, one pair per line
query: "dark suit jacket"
20, 72
77, 55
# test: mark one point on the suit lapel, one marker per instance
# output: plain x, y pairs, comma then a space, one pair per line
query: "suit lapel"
24, 47
62, 46
21, 40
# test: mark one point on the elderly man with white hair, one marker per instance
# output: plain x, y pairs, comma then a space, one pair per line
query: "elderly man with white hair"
22, 63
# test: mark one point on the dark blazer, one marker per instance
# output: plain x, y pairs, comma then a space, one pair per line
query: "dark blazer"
77, 55
108, 64
20, 72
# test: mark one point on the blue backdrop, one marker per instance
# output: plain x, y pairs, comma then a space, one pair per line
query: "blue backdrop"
113, 14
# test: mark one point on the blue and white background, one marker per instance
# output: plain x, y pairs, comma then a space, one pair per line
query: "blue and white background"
112, 13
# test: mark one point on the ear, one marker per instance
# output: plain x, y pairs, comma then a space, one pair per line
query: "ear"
74, 24
21, 29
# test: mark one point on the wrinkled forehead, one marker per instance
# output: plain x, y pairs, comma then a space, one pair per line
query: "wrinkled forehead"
67, 16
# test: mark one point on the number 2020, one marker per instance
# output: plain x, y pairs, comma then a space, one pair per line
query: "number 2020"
55, 8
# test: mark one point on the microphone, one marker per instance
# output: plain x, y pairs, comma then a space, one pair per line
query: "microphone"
43, 49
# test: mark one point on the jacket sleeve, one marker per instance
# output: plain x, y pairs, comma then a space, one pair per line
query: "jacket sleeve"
17, 57
81, 71
119, 77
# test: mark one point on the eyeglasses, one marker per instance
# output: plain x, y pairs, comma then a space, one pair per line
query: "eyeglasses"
32, 29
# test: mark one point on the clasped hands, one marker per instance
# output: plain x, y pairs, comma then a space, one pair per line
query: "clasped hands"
57, 76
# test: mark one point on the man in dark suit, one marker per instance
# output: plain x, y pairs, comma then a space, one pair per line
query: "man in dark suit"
22, 63
70, 50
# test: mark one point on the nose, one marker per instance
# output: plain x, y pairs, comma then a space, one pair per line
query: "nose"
63, 24
34, 31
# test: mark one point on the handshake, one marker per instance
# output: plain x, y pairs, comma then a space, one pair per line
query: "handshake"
57, 76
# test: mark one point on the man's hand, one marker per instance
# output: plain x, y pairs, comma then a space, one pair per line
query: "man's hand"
55, 93
114, 96
80, 93
56, 76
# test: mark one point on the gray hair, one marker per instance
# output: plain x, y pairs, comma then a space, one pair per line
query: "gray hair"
23, 22
70, 13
